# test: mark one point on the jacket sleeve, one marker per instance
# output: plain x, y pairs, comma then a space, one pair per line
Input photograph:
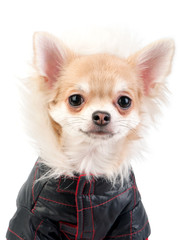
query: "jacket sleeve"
131, 224
25, 225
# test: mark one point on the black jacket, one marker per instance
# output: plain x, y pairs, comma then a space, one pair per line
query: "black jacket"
77, 208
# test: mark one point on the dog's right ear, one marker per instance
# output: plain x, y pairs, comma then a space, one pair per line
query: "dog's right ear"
50, 55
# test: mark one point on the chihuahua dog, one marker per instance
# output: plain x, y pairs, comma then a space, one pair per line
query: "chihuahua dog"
90, 114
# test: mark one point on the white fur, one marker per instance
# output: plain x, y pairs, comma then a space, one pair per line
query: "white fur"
93, 40
120, 86
83, 86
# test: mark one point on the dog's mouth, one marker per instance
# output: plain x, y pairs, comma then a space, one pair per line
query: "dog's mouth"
98, 133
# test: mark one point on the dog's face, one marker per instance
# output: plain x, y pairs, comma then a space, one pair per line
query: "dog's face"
98, 99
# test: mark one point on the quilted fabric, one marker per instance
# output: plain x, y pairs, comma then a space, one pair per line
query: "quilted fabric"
78, 208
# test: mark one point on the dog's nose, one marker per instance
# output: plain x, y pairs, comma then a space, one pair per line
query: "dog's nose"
101, 118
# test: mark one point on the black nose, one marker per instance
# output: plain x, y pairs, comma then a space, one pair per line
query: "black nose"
101, 118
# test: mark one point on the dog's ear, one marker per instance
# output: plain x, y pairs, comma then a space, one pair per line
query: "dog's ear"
153, 63
50, 55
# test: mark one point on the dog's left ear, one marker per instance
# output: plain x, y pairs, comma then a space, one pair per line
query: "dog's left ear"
153, 63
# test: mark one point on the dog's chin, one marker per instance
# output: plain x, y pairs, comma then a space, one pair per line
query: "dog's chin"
104, 135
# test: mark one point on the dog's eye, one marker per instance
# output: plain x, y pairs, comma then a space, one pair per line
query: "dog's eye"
124, 102
76, 100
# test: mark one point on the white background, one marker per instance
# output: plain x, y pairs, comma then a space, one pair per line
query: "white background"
158, 175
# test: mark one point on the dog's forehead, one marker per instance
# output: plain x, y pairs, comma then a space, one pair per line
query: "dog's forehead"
120, 85
103, 74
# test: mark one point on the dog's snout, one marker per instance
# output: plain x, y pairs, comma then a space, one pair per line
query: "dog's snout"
101, 118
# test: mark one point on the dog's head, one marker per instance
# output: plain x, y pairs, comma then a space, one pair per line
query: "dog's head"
96, 103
